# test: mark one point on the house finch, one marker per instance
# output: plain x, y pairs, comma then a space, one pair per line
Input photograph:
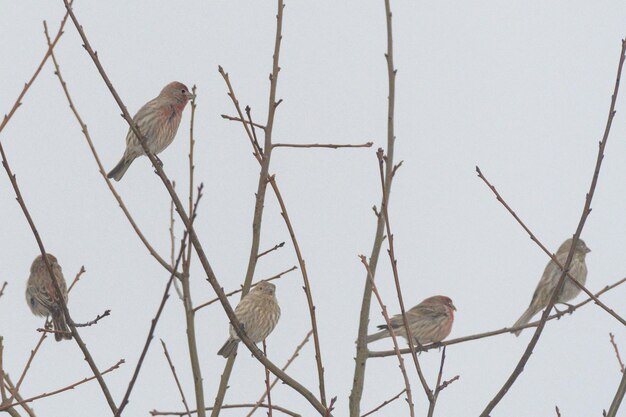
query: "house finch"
550, 279
158, 121
430, 321
42, 297
258, 312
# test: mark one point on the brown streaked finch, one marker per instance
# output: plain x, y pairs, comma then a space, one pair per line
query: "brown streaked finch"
430, 322
42, 297
158, 121
550, 279
258, 312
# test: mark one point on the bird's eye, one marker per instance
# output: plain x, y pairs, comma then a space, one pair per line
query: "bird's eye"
183, 91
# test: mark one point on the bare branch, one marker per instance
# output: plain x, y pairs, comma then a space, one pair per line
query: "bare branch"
619, 358
225, 406
94, 321
392, 399
237, 119
241, 289
321, 145
173, 369
18, 101
2, 288
76, 278
619, 396
5, 407
284, 368
268, 389
280, 245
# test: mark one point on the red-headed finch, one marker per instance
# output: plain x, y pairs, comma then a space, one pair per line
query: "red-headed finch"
158, 121
550, 279
258, 312
430, 321
43, 299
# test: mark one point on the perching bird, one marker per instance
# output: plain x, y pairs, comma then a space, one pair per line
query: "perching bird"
158, 121
258, 312
42, 297
430, 321
550, 279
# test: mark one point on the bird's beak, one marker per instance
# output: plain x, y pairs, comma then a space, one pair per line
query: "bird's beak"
190, 95
453, 307
587, 250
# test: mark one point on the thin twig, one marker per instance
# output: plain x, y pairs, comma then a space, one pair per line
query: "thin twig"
18, 101
321, 145
407, 384
225, 406
76, 278
268, 389
558, 315
173, 245
558, 412
284, 368
2, 289
306, 288
237, 119
256, 140
173, 369
583, 218
331, 406
360, 359
58, 391
619, 358
94, 321
396, 278
439, 386
20, 380
18, 397
277, 276
392, 399
280, 245
153, 325
101, 169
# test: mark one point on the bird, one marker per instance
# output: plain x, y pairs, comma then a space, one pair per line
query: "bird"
430, 321
550, 278
42, 297
158, 121
258, 312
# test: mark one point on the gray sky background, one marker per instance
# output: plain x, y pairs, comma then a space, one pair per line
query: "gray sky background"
521, 89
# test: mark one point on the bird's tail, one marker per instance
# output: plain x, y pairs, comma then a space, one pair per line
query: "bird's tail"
58, 321
120, 169
525, 318
229, 348
377, 336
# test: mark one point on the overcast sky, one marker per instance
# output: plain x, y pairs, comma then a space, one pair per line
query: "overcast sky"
520, 88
